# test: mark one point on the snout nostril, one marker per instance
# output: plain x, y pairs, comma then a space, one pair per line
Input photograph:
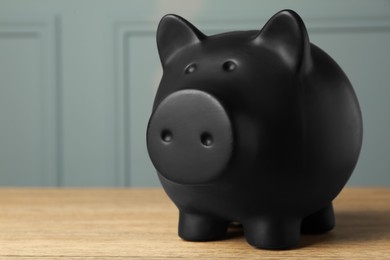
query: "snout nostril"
229, 66
166, 136
206, 139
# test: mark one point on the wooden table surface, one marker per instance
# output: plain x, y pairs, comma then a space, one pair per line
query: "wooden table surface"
142, 223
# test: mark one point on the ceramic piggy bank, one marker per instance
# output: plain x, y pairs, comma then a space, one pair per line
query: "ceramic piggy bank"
261, 127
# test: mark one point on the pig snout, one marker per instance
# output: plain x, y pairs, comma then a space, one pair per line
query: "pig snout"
190, 137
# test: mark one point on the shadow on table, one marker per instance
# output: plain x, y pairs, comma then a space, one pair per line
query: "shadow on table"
353, 226
234, 231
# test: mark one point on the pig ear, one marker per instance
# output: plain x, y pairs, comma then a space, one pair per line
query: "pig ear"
286, 33
173, 33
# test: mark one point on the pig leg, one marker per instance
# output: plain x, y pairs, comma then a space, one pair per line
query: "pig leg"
272, 233
197, 227
319, 222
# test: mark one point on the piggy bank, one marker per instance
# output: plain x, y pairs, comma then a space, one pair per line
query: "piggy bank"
258, 127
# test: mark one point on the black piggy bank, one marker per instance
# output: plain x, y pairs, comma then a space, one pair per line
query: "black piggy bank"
262, 128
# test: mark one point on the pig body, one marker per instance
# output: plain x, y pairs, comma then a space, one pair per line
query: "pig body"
257, 127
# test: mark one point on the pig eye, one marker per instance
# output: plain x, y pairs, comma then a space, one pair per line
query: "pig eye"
190, 68
229, 66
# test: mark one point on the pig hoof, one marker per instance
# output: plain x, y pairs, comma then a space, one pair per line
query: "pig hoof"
319, 222
272, 234
194, 227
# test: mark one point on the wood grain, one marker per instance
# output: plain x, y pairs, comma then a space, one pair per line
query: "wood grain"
142, 223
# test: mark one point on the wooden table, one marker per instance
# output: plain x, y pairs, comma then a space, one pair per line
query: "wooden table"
142, 223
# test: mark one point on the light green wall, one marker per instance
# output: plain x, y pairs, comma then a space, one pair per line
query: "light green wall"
77, 80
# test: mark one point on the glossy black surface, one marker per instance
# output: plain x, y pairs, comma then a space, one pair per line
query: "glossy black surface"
257, 127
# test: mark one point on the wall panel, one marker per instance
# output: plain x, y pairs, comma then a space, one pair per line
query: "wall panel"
28, 103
